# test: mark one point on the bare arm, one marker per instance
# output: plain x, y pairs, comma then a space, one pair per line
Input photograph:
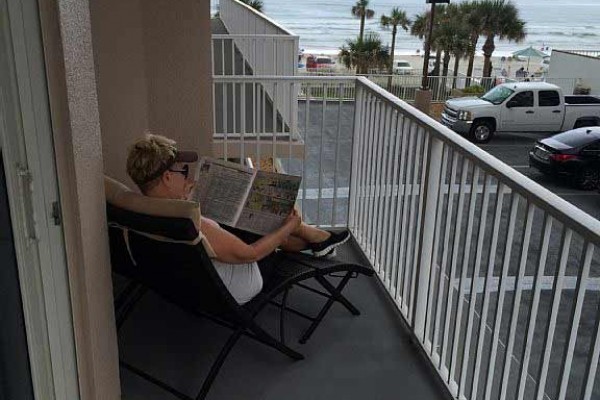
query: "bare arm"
231, 249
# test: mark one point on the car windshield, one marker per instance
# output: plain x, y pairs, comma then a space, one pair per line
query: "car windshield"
498, 94
403, 64
577, 138
324, 60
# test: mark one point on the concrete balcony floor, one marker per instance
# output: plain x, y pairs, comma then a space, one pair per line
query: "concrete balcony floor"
350, 358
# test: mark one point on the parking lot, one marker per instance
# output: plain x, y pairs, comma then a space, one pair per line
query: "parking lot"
513, 149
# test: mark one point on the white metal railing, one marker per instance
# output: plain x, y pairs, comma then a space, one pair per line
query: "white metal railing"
405, 86
436, 215
241, 18
267, 47
256, 45
254, 54
498, 278
442, 87
316, 145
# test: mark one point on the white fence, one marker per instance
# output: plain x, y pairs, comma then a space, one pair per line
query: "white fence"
254, 54
240, 18
444, 87
498, 278
256, 45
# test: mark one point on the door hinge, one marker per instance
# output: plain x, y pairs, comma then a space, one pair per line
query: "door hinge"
56, 213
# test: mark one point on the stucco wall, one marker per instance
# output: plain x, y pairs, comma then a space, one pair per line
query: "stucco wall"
76, 130
567, 65
154, 72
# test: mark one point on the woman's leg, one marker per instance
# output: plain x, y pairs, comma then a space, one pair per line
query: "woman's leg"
302, 238
311, 234
294, 244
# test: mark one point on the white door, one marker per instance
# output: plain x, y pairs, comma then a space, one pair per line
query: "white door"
550, 111
518, 113
31, 190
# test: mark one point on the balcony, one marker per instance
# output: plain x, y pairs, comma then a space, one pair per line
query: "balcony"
494, 278
487, 284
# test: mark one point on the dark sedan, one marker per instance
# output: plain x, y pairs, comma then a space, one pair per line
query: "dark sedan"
574, 153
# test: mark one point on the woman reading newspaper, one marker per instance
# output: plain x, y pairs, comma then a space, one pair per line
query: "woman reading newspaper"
162, 171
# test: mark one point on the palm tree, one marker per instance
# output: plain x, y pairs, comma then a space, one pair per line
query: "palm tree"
361, 11
470, 12
364, 53
500, 20
396, 18
256, 4
420, 25
420, 29
452, 36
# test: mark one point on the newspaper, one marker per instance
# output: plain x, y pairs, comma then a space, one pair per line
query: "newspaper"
244, 198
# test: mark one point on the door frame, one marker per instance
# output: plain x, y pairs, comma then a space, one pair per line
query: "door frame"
26, 139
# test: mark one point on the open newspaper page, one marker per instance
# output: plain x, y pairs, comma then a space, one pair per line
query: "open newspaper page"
221, 189
270, 201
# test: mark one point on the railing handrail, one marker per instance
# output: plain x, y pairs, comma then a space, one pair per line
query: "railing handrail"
560, 209
262, 16
271, 78
252, 35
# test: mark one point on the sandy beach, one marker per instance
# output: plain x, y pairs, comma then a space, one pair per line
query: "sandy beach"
416, 61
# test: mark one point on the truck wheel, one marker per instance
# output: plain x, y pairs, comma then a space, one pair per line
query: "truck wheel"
481, 132
587, 178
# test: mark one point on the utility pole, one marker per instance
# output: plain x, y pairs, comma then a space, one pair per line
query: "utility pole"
424, 82
423, 95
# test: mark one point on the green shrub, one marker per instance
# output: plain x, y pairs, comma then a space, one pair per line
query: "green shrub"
475, 89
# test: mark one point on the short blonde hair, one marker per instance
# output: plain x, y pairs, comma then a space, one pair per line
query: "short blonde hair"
148, 158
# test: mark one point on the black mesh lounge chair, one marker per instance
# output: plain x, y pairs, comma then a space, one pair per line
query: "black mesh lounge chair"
167, 256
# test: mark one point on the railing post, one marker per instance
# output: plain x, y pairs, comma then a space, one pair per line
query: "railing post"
358, 110
431, 192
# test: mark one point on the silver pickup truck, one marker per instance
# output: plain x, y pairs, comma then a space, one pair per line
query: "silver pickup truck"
520, 107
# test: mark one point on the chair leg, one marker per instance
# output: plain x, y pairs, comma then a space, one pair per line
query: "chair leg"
264, 337
214, 370
282, 310
335, 292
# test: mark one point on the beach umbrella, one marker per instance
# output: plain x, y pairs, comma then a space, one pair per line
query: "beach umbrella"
529, 52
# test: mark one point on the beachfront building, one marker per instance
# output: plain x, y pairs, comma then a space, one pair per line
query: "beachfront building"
487, 284
581, 65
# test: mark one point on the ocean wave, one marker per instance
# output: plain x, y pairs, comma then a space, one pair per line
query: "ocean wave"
565, 34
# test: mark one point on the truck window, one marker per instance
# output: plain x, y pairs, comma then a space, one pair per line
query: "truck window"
498, 94
523, 99
549, 98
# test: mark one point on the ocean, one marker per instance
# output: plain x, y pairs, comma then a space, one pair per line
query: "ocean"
324, 26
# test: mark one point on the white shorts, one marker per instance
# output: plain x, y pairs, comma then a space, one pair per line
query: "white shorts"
243, 281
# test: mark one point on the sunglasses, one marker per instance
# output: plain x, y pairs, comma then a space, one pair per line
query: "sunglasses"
185, 170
